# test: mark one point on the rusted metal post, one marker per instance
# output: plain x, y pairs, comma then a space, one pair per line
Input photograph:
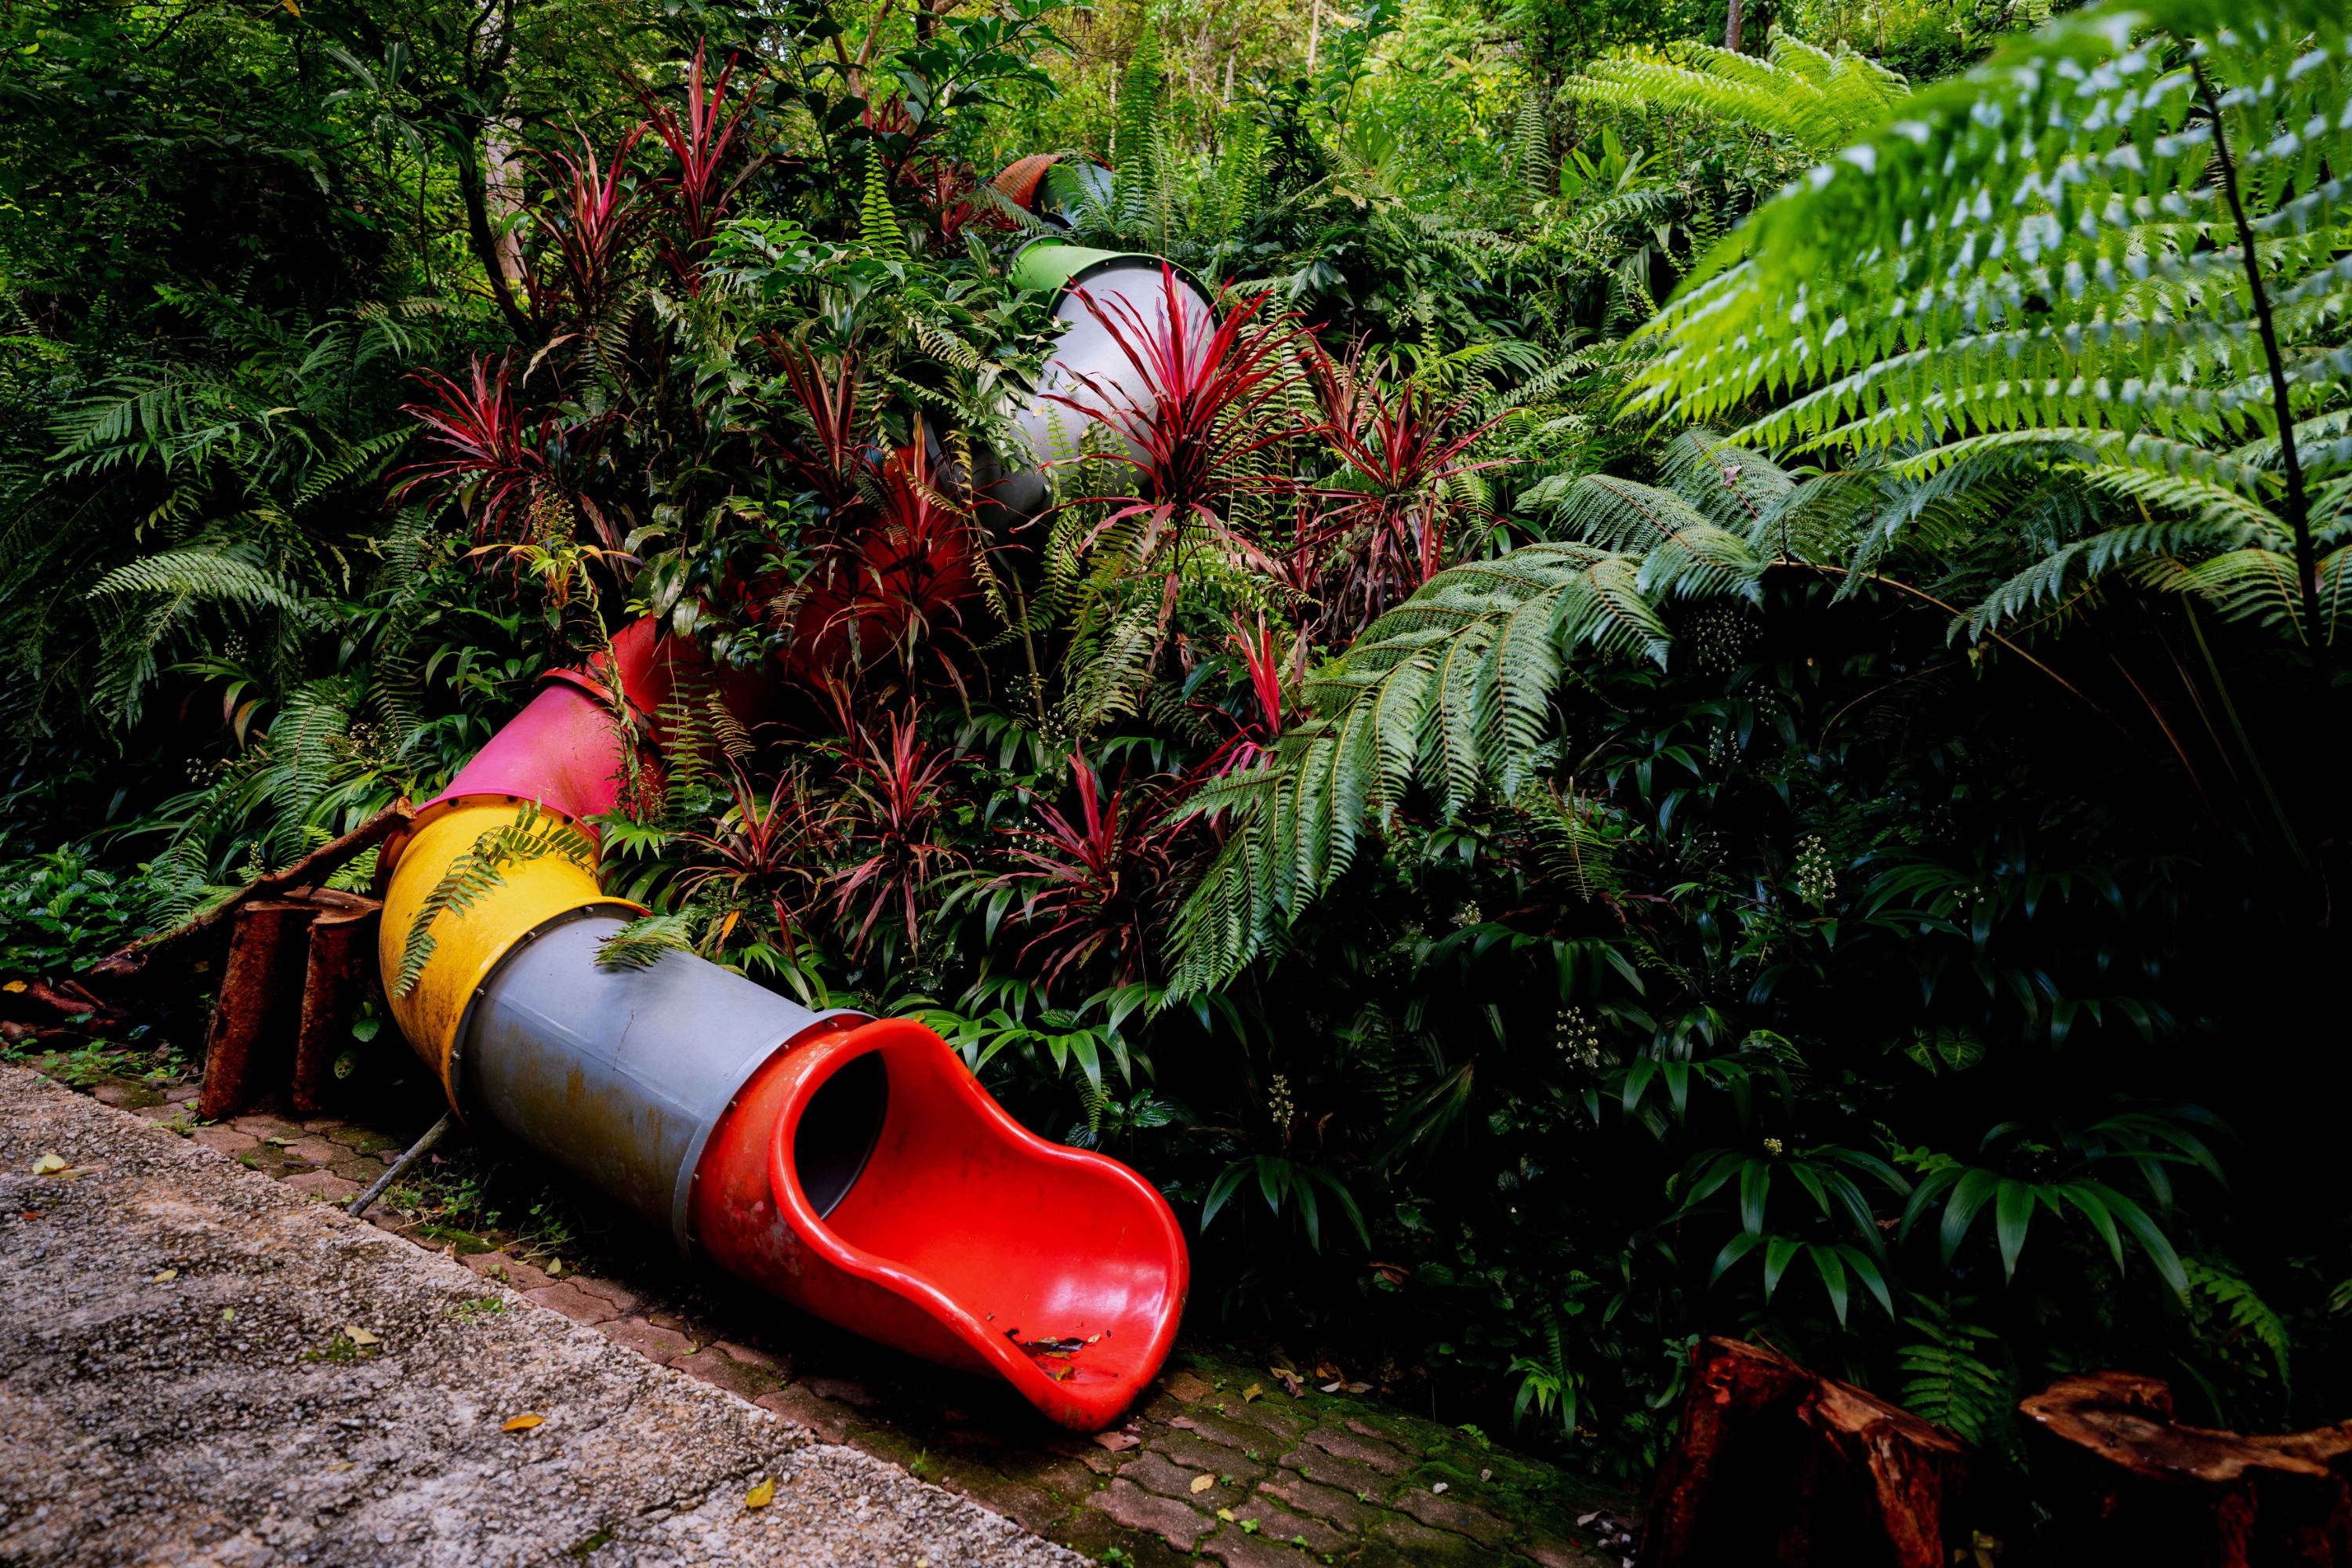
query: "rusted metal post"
341, 969
259, 1008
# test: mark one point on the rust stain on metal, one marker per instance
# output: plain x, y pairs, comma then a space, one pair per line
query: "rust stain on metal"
259, 1008
340, 971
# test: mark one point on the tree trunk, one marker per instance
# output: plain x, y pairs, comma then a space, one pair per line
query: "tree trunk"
1776, 1465
2134, 1486
1731, 28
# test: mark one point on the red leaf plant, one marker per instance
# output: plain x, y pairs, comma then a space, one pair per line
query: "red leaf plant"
494, 466
1208, 399
1252, 740
889, 816
592, 219
1404, 454
896, 575
770, 852
1099, 884
827, 454
697, 192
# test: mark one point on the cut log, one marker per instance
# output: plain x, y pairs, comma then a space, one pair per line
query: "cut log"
2132, 1485
1775, 1464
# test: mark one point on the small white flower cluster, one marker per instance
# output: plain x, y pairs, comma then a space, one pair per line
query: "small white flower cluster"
1278, 1103
550, 519
1775, 1147
1578, 1037
369, 745
1467, 916
1719, 640
1816, 877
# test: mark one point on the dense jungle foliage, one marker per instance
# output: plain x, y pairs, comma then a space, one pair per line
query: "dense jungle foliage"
1706, 711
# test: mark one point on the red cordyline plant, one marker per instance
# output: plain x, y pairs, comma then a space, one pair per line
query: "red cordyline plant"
888, 818
1099, 883
1405, 456
767, 851
1253, 741
1207, 396
894, 574
593, 217
701, 141
827, 454
494, 466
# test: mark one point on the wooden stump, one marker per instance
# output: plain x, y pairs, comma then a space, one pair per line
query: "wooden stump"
2135, 1486
1778, 1465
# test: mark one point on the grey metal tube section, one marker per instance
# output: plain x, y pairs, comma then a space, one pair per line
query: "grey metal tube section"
620, 1075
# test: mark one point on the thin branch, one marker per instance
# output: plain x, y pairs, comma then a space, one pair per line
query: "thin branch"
2298, 509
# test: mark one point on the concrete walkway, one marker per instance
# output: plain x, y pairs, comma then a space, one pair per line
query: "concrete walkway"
201, 1366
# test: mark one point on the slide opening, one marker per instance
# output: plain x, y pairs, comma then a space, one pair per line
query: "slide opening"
839, 1130
1056, 1252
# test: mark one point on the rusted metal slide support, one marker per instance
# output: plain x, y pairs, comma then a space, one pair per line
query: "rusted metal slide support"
297, 969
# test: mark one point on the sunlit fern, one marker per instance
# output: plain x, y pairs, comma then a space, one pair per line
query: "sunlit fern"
2040, 263
1820, 99
480, 871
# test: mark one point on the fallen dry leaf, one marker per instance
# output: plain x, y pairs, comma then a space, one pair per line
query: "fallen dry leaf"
358, 1335
1118, 1442
1437, 1491
1226, 1514
1202, 1483
161, 1274
522, 1423
15, 985
1252, 1391
346, 1465
761, 1495
1325, 1369
1359, 1388
1333, 1387
48, 1162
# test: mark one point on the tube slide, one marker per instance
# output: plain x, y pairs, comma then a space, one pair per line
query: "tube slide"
853, 1166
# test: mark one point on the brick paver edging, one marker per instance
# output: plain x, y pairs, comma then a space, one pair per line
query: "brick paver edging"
1292, 1481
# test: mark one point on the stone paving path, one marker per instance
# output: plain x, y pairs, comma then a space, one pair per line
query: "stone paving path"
1290, 1480
200, 1369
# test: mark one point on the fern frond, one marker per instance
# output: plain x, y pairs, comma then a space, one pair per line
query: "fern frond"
1946, 1380
2249, 1314
646, 941
481, 870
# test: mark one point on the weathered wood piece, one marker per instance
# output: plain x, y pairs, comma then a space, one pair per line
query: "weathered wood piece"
310, 871
2135, 1486
1775, 1464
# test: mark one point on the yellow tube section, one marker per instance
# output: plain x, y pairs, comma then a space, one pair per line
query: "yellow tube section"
469, 943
